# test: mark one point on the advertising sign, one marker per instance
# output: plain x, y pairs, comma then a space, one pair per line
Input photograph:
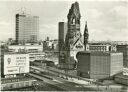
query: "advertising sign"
16, 63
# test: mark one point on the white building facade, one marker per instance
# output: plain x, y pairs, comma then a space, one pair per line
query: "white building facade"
26, 48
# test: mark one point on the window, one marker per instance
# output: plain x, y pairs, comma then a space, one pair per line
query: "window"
73, 21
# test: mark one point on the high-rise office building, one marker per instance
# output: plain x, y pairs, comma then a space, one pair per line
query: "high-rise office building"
27, 28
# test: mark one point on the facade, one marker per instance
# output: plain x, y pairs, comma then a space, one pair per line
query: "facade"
43, 63
102, 47
98, 65
13, 83
73, 42
124, 50
25, 48
36, 56
27, 28
45, 46
15, 64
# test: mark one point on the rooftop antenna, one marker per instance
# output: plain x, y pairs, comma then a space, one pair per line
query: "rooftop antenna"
23, 10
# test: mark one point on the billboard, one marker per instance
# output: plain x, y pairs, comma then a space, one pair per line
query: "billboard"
16, 63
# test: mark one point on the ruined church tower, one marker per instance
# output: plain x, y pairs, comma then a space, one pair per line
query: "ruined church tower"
73, 41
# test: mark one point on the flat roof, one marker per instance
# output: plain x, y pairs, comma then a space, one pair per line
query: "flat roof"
25, 45
9, 53
99, 52
100, 45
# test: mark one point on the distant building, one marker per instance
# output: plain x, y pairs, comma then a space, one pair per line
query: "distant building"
55, 46
36, 56
50, 45
102, 47
109, 42
98, 65
124, 50
27, 28
17, 83
47, 39
43, 63
25, 48
35, 51
45, 46
10, 41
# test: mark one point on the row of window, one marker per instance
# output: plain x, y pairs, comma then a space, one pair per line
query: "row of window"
18, 85
98, 48
14, 80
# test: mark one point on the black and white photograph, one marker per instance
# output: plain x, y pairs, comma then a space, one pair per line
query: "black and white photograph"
64, 45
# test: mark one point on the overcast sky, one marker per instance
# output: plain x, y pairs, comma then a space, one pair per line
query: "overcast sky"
107, 20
